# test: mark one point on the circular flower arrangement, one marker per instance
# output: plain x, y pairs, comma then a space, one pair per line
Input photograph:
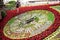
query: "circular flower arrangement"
30, 23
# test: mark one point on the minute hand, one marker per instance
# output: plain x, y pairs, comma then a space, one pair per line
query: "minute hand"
29, 20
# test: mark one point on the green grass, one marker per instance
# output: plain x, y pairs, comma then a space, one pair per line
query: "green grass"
50, 17
56, 8
11, 21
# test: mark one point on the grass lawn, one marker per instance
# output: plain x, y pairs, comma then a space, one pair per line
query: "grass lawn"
56, 8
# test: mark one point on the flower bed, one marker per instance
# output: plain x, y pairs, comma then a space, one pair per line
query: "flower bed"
12, 13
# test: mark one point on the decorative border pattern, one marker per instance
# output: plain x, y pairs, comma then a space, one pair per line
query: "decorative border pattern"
53, 34
12, 13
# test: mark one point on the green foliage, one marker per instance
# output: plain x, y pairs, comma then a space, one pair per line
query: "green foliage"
11, 5
3, 13
11, 21
50, 16
36, 19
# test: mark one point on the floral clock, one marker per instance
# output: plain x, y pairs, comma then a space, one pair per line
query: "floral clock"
29, 23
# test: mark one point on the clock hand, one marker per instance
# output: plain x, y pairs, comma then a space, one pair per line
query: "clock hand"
26, 22
29, 20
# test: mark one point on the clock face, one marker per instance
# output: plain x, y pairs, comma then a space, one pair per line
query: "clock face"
28, 24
